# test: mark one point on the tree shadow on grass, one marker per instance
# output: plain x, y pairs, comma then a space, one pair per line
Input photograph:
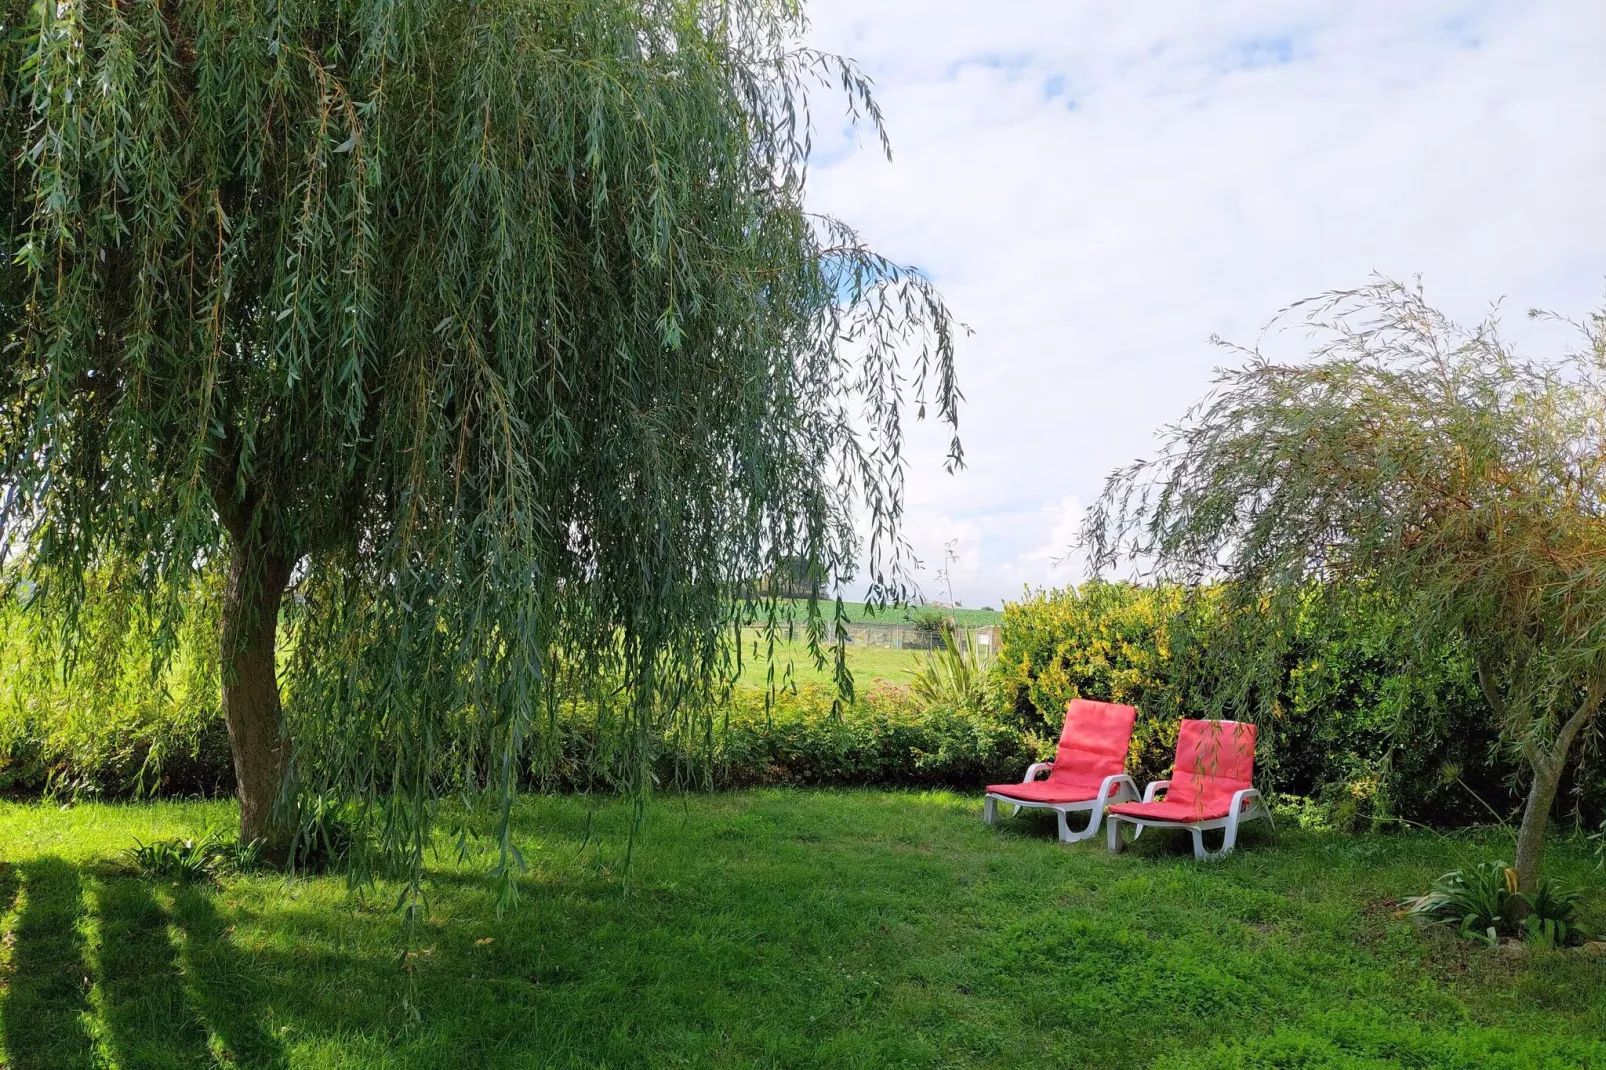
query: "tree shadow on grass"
221, 984
147, 1019
46, 996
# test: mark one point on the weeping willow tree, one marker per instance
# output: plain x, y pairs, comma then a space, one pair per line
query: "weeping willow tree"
494, 333
1408, 458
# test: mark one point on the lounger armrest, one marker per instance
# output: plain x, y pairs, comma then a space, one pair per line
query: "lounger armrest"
1035, 768
1114, 787
1155, 788
1250, 795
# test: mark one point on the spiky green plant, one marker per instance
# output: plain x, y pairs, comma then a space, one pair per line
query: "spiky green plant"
193, 859
1478, 901
954, 674
1484, 904
494, 333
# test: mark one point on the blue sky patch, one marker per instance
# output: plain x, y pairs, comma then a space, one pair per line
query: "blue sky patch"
1254, 53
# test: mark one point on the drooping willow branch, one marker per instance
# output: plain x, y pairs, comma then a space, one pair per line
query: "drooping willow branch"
497, 331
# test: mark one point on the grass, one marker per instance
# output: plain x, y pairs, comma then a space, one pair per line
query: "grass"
869, 664
778, 928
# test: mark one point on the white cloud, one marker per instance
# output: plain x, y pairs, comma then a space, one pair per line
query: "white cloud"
1099, 187
1056, 554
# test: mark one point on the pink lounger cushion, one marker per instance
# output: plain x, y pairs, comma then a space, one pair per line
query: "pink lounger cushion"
1093, 745
1215, 760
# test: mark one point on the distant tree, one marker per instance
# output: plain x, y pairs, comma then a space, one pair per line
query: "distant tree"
1417, 457
794, 577
930, 622
497, 332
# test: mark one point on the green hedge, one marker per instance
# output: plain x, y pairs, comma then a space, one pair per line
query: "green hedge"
1339, 714
885, 737
139, 714
116, 728
1342, 728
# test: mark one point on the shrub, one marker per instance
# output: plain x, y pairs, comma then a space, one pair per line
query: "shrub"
887, 736
955, 674
1331, 706
930, 624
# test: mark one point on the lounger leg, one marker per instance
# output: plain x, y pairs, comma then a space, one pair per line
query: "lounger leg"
1089, 831
1229, 838
989, 811
1113, 836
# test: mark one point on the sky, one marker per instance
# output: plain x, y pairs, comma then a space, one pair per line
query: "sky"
1099, 187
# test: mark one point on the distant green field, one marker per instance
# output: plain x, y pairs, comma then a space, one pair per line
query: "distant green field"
859, 611
868, 664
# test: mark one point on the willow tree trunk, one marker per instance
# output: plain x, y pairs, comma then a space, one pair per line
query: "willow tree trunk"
1547, 763
256, 582
1535, 820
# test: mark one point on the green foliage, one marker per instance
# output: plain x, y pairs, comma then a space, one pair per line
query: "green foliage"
1111, 642
1410, 456
800, 736
1347, 728
1483, 904
1551, 919
326, 839
931, 623
193, 859
880, 614
886, 736
125, 711
499, 330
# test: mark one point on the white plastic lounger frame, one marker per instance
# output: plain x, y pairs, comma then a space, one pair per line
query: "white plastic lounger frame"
1115, 789
1247, 805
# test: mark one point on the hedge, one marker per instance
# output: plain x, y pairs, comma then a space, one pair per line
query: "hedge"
1343, 726
1343, 731
883, 738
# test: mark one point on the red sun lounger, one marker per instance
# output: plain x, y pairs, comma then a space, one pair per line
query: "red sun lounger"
1087, 772
1209, 788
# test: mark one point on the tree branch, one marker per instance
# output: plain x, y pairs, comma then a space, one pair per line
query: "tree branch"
1586, 713
1491, 692
1531, 751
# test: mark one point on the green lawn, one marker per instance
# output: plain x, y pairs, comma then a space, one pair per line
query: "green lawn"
779, 928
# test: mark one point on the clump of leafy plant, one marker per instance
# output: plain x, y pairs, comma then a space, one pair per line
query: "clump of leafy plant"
1483, 902
194, 859
955, 674
324, 839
